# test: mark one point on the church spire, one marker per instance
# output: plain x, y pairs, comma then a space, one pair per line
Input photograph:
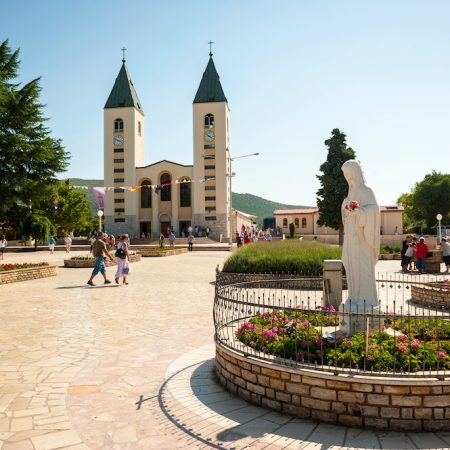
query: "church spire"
123, 93
210, 89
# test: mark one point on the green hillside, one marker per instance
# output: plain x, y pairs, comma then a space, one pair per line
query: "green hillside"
247, 203
258, 206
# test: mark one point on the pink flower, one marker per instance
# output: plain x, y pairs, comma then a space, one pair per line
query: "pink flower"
318, 342
415, 343
305, 324
348, 342
401, 347
305, 343
332, 308
300, 357
441, 354
275, 329
372, 346
273, 319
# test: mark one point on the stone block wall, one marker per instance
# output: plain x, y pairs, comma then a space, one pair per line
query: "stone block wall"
12, 276
85, 263
369, 402
431, 296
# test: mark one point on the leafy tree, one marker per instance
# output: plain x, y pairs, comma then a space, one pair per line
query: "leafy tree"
69, 209
334, 186
429, 197
37, 227
29, 157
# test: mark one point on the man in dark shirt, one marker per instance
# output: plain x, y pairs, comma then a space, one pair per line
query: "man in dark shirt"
405, 245
98, 250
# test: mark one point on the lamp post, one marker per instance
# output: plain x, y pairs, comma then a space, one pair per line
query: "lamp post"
439, 218
100, 215
231, 174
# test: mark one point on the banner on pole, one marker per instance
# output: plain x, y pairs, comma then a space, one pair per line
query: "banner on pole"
99, 196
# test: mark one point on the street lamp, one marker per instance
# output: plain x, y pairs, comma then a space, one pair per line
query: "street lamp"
439, 218
231, 174
100, 215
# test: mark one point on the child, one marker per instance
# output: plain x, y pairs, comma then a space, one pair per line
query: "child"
190, 240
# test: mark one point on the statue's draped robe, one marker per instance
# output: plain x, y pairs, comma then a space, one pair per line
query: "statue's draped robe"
361, 245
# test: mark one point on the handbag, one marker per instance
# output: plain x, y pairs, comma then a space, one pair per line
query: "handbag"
120, 253
126, 268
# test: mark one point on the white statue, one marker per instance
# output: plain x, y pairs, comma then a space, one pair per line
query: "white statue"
361, 219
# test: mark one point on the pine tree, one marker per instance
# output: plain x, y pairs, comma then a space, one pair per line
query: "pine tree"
29, 157
334, 186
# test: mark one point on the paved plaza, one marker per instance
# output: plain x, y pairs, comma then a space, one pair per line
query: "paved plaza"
129, 367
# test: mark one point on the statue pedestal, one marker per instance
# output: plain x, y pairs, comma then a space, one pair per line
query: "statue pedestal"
360, 317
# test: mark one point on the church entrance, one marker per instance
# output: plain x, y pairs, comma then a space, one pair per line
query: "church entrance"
184, 225
145, 229
165, 228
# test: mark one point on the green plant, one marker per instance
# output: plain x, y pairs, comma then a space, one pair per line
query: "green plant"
291, 256
292, 229
389, 249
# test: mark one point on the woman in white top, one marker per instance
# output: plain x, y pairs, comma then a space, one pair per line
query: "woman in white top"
68, 243
123, 265
3, 245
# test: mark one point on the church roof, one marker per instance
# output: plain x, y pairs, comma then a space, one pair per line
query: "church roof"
123, 93
210, 89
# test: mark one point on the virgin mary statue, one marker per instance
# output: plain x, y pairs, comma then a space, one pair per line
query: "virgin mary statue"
361, 219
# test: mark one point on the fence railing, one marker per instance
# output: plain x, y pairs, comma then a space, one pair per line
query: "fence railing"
286, 321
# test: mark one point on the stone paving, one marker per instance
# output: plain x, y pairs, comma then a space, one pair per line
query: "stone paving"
128, 367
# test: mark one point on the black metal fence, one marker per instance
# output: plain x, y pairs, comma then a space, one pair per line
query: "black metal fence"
287, 322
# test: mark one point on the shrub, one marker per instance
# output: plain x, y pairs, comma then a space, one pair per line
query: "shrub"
297, 335
282, 257
388, 249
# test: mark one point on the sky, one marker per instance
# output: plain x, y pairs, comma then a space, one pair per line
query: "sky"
292, 71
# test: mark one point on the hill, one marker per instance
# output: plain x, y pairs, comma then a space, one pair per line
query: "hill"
247, 203
258, 206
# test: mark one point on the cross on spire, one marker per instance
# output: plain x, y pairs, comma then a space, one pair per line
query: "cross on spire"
210, 47
123, 54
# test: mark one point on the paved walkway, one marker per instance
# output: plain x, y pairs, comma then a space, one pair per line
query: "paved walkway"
129, 367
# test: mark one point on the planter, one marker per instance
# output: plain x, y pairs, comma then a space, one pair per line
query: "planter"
33, 273
90, 262
157, 252
433, 295
384, 403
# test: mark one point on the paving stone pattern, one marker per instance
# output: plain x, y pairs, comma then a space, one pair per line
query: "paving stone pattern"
126, 367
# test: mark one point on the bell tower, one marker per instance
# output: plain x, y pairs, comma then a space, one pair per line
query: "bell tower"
123, 152
211, 132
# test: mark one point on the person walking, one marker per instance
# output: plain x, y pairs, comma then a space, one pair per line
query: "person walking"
172, 239
122, 259
190, 240
51, 245
68, 243
445, 247
421, 255
99, 249
161, 240
405, 247
3, 245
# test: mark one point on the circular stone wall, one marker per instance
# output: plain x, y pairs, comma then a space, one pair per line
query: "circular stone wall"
431, 294
404, 404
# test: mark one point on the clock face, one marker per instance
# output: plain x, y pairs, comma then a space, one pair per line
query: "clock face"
118, 139
209, 136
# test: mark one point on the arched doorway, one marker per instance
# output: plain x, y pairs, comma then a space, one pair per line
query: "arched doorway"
165, 224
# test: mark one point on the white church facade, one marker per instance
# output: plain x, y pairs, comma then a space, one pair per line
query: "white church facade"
197, 195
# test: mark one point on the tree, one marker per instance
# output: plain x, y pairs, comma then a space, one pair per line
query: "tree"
429, 197
334, 186
69, 209
29, 157
292, 229
38, 227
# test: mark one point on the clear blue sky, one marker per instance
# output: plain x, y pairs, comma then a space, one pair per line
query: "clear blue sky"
292, 71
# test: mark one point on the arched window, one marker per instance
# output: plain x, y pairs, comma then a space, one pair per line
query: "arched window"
139, 128
284, 223
303, 223
166, 191
185, 193
118, 126
146, 194
209, 121
297, 222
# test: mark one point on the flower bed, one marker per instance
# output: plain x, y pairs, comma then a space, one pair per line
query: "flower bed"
157, 252
420, 344
11, 273
304, 257
85, 261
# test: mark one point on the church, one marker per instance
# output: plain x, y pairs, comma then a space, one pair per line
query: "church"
166, 195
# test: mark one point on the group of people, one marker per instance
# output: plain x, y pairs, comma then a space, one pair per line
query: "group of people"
100, 251
252, 234
415, 252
